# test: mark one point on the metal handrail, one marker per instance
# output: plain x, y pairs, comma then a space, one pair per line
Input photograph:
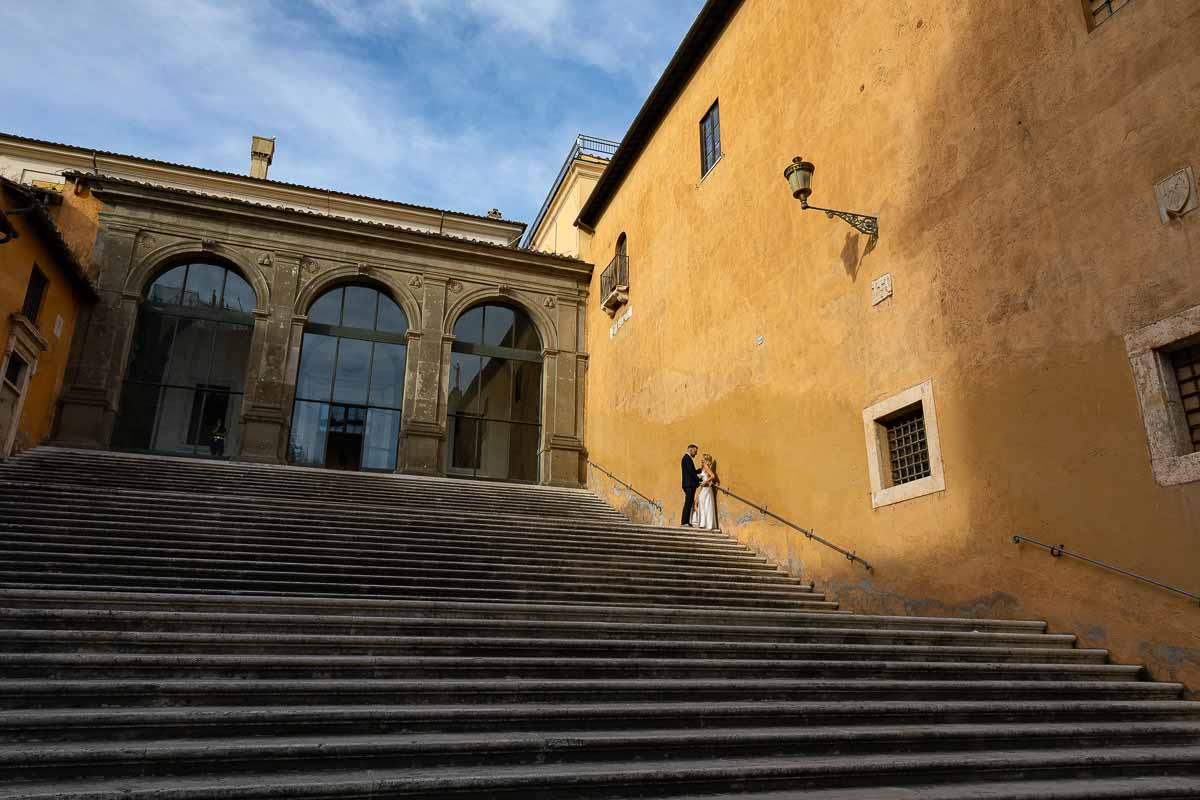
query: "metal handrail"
1058, 551
584, 145
849, 554
628, 486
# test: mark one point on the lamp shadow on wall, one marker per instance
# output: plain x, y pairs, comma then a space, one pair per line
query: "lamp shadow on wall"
851, 260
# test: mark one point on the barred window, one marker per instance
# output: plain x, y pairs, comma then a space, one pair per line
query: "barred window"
35, 293
1186, 363
710, 139
1098, 11
908, 448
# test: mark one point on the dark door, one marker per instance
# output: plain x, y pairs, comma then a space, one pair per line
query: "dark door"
344, 443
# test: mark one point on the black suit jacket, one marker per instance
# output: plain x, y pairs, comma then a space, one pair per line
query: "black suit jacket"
690, 480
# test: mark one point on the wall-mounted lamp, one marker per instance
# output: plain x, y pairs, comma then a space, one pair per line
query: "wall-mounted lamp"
799, 176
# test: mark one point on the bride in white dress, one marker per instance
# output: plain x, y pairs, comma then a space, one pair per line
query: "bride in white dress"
706, 499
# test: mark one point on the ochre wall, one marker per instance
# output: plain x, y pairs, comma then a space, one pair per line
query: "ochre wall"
78, 220
1011, 156
17, 258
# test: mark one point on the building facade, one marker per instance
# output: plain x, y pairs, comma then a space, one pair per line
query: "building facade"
1013, 354
235, 321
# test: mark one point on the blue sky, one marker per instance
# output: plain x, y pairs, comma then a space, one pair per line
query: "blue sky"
460, 104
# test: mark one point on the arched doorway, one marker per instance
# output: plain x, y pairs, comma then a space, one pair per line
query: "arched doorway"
495, 402
350, 385
187, 366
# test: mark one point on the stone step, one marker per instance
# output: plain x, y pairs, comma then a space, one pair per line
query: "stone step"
902, 682
83, 547
150, 722
50, 576
220, 561
1146, 787
39, 640
572, 543
643, 778
230, 756
267, 623
408, 551
98, 600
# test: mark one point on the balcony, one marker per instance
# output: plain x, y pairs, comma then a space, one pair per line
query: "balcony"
614, 284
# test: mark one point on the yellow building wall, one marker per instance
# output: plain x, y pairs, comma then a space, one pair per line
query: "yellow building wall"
17, 258
557, 233
1011, 156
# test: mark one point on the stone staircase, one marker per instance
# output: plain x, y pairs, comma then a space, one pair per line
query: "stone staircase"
174, 628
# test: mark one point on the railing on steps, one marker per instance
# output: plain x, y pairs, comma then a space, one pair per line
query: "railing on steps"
628, 486
849, 554
1059, 550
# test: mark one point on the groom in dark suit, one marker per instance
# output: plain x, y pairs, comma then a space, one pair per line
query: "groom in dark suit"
690, 482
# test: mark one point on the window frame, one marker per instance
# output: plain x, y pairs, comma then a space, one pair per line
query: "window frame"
38, 279
1172, 457
884, 491
714, 114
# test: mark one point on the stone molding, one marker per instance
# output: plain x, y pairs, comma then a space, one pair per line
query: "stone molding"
1172, 458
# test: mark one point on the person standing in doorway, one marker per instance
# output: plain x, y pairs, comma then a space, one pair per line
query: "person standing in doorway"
690, 481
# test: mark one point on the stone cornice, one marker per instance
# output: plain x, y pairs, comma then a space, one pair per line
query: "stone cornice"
136, 194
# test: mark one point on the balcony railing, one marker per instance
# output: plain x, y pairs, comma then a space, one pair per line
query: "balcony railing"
614, 282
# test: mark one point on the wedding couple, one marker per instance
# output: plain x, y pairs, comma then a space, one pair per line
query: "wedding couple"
699, 512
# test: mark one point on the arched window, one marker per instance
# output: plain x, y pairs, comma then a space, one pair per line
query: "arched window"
350, 386
495, 402
187, 367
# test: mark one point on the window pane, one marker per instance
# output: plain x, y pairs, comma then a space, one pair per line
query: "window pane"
152, 341
191, 355
135, 423
463, 433
327, 310
238, 294
204, 284
167, 288
469, 328
315, 380
524, 442
15, 370
508, 451
527, 392
310, 423
353, 371
525, 336
174, 420
497, 326
35, 292
231, 352
391, 317
359, 308
464, 378
495, 388
383, 435
387, 375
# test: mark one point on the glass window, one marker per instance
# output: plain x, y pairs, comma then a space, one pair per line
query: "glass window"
238, 294
204, 285
387, 375
497, 326
327, 310
167, 289
153, 341
469, 328
353, 371
710, 139
382, 437
35, 293
15, 370
464, 376
139, 409
317, 355
391, 317
359, 309
495, 387
310, 423
192, 351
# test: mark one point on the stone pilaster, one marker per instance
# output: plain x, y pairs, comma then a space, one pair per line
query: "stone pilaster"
426, 373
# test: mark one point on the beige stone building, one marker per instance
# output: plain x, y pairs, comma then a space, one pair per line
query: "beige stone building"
1013, 354
245, 318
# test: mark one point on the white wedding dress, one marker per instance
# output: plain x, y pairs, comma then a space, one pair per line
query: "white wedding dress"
706, 507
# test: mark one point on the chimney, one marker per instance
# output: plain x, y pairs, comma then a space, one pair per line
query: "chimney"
261, 151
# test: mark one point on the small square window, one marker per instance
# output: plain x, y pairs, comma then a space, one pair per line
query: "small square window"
35, 293
710, 139
904, 454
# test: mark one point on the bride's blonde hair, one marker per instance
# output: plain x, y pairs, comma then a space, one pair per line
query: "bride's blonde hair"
708, 459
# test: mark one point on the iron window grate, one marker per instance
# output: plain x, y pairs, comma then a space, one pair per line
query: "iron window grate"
908, 448
1186, 362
